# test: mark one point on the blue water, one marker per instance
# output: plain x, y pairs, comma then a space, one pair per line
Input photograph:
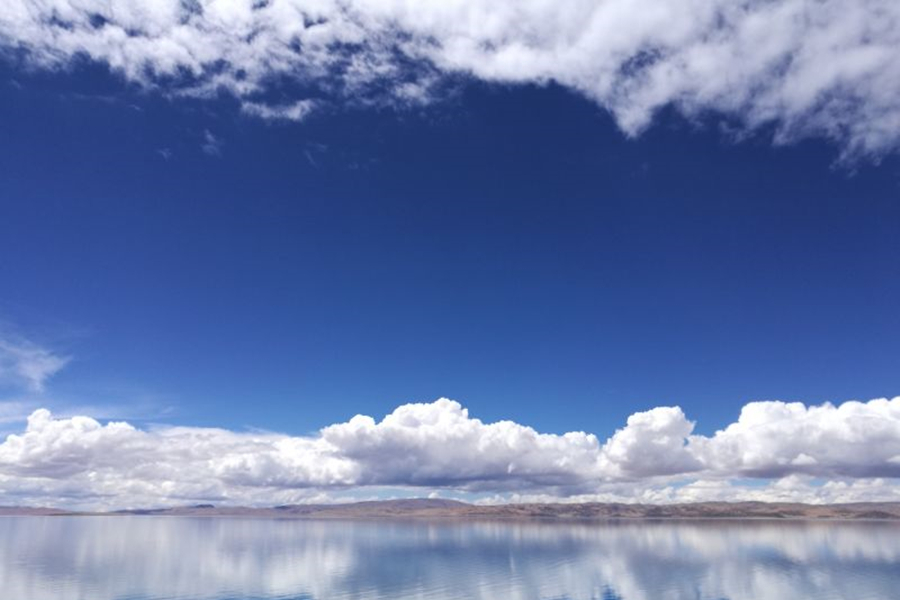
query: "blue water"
155, 558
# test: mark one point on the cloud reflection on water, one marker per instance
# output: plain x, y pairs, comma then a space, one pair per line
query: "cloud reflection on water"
144, 558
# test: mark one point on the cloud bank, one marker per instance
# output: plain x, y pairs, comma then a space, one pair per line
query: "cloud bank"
795, 452
822, 68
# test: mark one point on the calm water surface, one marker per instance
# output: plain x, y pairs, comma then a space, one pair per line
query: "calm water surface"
144, 558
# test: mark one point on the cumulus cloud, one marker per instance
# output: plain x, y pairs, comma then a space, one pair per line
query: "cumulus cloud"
652, 443
440, 444
816, 454
822, 68
774, 439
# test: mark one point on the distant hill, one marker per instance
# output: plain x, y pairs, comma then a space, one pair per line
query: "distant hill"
451, 509
13, 511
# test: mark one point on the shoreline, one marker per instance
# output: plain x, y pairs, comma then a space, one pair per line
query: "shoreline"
448, 510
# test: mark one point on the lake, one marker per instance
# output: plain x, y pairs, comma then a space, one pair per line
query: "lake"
155, 558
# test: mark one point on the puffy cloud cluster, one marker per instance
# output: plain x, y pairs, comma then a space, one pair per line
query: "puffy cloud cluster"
652, 443
823, 68
853, 448
774, 439
439, 444
77, 457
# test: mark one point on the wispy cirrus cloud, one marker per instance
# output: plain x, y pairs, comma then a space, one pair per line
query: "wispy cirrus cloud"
295, 111
796, 452
826, 68
212, 144
26, 372
24, 364
13, 411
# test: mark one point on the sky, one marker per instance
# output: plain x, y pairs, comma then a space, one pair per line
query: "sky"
303, 251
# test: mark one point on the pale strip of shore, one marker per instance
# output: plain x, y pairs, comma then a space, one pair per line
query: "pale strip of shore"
451, 509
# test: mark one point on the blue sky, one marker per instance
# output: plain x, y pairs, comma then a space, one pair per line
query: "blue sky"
509, 248
537, 251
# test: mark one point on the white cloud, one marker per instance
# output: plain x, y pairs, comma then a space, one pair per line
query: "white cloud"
773, 439
296, 111
440, 444
12, 411
212, 144
652, 443
24, 364
798, 453
826, 68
